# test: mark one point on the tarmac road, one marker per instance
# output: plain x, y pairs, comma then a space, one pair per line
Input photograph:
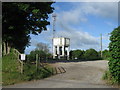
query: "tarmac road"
87, 74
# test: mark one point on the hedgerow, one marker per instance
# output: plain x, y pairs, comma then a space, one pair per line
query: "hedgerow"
114, 62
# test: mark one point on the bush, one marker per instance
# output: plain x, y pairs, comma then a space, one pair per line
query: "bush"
91, 54
107, 76
76, 54
11, 71
30, 72
106, 54
41, 54
114, 47
10, 63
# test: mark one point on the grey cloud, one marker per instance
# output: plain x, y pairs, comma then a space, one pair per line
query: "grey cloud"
79, 39
67, 20
104, 9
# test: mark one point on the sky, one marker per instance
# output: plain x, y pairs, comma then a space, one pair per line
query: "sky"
82, 22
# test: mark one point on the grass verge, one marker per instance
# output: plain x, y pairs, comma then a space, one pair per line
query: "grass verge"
11, 71
109, 79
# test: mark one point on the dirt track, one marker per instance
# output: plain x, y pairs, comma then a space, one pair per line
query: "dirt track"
86, 74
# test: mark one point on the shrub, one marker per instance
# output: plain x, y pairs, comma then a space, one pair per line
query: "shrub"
76, 54
114, 47
91, 54
30, 72
11, 73
106, 54
41, 54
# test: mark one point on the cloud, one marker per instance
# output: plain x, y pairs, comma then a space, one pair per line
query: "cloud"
109, 24
78, 38
73, 17
102, 9
68, 24
86, 0
33, 42
68, 21
79, 12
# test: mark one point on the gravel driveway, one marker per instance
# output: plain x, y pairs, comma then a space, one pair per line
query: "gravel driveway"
87, 74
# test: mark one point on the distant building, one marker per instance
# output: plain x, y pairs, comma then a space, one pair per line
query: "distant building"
61, 46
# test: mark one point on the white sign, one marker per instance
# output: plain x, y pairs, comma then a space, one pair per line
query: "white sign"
22, 56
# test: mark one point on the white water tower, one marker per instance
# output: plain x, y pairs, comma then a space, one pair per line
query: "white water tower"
61, 47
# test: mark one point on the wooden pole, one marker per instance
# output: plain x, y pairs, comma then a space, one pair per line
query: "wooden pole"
101, 44
22, 67
36, 61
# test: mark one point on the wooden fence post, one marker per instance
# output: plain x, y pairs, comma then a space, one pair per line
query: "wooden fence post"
21, 67
36, 61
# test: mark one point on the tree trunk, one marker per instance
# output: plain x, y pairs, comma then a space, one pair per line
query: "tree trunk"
4, 48
8, 48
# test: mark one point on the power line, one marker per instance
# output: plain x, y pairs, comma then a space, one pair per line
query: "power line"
101, 43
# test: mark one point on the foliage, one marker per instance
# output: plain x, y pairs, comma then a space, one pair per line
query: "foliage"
11, 73
23, 18
78, 54
107, 76
10, 69
41, 54
114, 47
32, 55
43, 47
106, 54
30, 72
91, 54
7, 63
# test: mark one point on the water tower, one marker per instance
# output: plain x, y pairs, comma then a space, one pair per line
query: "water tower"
61, 45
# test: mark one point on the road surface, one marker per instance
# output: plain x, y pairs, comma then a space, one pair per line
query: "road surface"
87, 74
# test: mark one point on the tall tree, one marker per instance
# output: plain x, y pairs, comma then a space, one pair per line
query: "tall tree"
106, 54
77, 54
21, 19
43, 47
91, 54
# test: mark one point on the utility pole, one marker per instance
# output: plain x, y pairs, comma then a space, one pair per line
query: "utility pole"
101, 43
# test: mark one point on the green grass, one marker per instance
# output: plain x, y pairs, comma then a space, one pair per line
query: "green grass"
110, 80
10, 63
11, 71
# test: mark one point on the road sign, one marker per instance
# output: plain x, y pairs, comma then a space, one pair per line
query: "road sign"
22, 56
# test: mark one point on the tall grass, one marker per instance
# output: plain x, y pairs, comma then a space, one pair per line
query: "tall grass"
108, 77
11, 71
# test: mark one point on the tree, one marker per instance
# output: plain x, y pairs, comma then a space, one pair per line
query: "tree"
42, 50
114, 48
43, 56
71, 56
21, 19
43, 47
78, 54
91, 54
32, 55
106, 54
